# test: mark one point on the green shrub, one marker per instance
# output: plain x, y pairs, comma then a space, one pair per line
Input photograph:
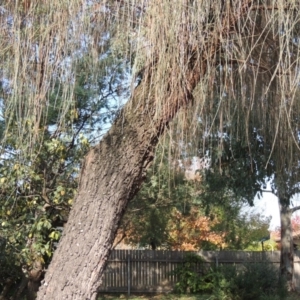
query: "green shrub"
189, 280
259, 281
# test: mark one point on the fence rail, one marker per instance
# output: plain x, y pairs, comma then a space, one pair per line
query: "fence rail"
151, 271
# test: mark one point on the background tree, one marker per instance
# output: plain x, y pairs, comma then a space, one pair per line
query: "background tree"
146, 221
246, 48
37, 193
174, 211
246, 169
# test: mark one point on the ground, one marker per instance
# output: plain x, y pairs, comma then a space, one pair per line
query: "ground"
154, 297
170, 297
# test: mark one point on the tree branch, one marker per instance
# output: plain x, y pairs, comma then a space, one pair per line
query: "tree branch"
293, 209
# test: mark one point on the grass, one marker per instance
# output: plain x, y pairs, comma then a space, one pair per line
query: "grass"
154, 297
292, 296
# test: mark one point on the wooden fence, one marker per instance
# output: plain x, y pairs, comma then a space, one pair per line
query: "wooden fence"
151, 271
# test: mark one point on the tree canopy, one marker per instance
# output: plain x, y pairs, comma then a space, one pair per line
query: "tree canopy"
246, 52
231, 66
177, 211
36, 193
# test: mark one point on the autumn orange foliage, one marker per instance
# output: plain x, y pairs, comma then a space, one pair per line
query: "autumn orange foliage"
189, 232
185, 232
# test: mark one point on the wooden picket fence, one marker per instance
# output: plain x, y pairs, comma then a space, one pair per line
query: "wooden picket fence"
151, 271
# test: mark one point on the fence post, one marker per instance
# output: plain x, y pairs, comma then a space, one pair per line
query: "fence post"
217, 260
128, 275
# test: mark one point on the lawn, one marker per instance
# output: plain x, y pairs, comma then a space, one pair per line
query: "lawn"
170, 297
154, 297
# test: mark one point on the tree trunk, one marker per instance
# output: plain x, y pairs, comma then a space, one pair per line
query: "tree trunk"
6, 288
111, 175
113, 171
287, 246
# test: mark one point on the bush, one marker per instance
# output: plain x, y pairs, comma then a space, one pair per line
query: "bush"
189, 280
258, 281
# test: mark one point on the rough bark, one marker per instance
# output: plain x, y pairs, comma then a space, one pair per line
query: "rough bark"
112, 173
287, 246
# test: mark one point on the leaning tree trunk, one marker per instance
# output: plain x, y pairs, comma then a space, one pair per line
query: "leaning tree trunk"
113, 171
111, 175
287, 246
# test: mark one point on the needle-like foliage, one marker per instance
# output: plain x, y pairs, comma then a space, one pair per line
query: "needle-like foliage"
246, 53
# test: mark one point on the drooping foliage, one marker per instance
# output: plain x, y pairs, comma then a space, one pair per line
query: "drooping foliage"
246, 52
43, 47
237, 60
36, 193
177, 211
